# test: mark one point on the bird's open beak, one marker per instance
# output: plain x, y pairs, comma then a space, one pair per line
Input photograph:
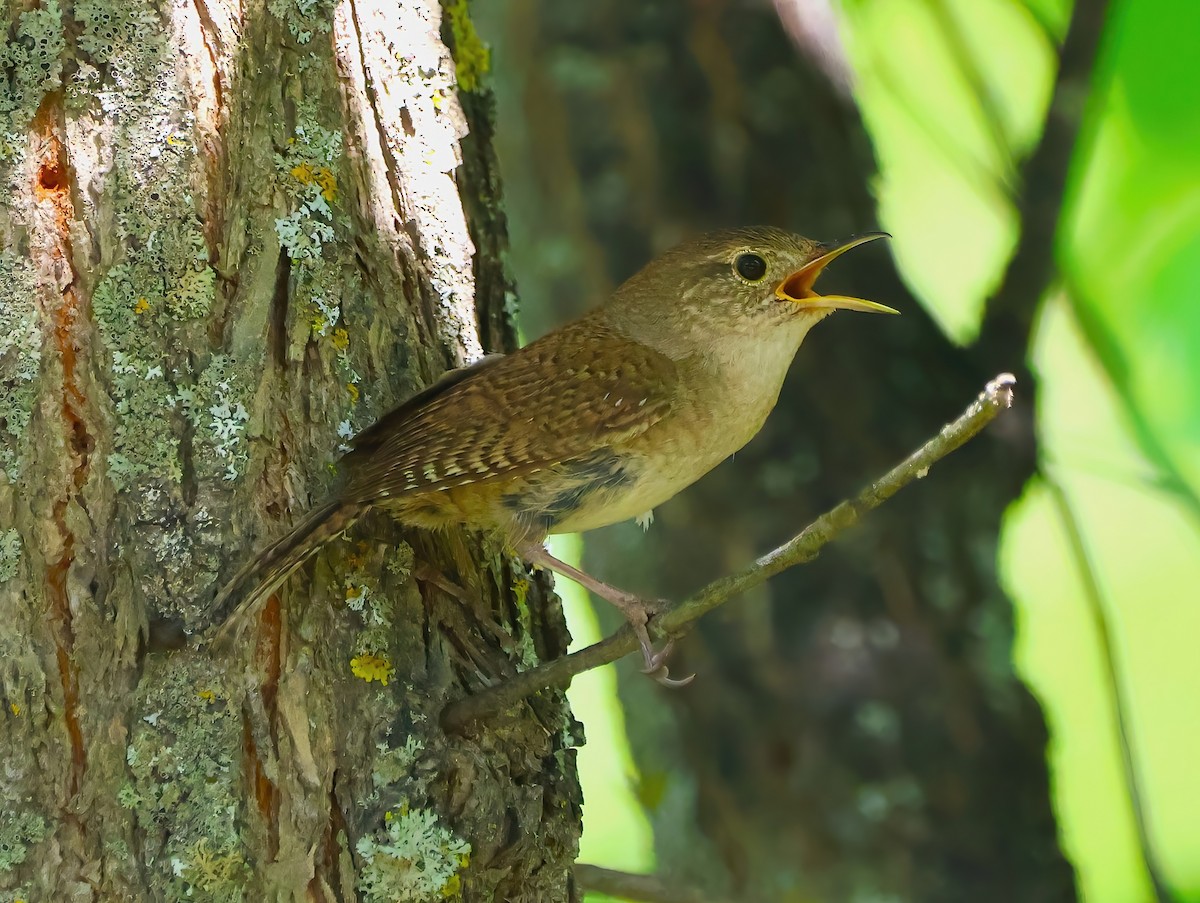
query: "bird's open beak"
798, 287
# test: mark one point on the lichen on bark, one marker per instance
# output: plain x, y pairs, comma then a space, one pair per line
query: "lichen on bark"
233, 237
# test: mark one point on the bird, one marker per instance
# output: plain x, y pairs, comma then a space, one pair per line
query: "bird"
599, 421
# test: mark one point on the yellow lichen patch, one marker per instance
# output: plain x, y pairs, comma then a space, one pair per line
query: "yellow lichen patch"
142, 305
520, 589
352, 391
15, 708
341, 339
302, 173
210, 870
306, 174
328, 182
208, 696
371, 667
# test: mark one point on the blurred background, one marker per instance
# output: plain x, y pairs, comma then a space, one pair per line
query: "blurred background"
988, 691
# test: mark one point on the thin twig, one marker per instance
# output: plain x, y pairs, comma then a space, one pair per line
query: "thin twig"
996, 397
628, 886
1098, 610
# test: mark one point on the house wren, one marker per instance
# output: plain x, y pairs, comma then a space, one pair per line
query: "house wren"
597, 422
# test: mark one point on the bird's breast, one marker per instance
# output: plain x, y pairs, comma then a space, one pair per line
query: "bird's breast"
723, 405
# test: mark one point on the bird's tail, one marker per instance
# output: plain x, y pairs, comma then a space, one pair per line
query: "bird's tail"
263, 573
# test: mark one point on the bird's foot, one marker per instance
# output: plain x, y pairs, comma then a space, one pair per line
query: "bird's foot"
656, 660
637, 611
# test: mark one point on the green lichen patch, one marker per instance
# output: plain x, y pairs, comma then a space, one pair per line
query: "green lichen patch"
30, 67
216, 409
394, 766
413, 858
18, 832
362, 594
10, 554
149, 308
472, 57
184, 788
322, 276
307, 174
305, 230
413, 855
304, 18
371, 655
526, 649
144, 447
20, 357
175, 417
117, 34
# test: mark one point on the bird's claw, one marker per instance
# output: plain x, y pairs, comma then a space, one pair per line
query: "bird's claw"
662, 676
655, 660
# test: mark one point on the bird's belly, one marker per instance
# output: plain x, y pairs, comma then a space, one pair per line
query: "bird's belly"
603, 507
657, 471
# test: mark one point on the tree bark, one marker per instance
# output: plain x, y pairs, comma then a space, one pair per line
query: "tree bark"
855, 731
234, 234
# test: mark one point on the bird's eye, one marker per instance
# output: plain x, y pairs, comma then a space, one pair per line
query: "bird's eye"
750, 267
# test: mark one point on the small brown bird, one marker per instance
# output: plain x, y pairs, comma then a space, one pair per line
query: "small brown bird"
597, 422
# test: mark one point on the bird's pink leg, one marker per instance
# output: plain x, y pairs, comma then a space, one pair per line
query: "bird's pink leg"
635, 609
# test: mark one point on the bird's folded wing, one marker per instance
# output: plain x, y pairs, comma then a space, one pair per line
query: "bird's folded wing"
578, 391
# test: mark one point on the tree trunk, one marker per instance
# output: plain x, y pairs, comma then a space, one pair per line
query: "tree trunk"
855, 731
233, 236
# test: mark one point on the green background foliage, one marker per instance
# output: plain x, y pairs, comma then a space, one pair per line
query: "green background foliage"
1117, 348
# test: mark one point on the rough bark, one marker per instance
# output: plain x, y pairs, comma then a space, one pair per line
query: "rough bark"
233, 236
856, 731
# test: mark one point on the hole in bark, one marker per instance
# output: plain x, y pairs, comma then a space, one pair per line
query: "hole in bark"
51, 177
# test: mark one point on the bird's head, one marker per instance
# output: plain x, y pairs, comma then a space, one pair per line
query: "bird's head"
746, 281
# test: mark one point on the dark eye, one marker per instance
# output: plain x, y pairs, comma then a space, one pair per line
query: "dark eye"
750, 267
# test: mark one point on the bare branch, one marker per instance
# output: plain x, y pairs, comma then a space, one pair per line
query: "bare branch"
996, 397
628, 886
1010, 312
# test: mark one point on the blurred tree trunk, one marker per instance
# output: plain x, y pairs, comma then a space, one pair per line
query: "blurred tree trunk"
233, 236
856, 732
